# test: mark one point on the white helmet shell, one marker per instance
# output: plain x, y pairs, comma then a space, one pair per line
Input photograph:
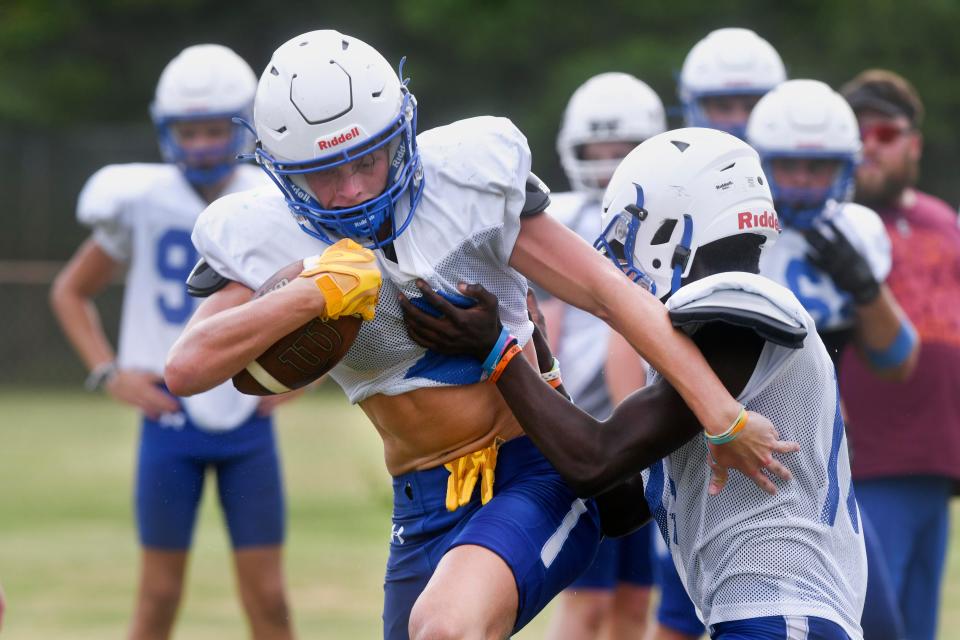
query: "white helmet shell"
321, 93
204, 80
681, 190
729, 62
804, 117
610, 107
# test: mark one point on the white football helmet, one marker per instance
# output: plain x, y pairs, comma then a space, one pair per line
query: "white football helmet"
204, 82
610, 107
676, 192
806, 119
727, 62
324, 100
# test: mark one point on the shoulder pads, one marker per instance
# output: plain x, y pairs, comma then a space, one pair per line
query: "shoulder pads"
203, 281
538, 197
744, 300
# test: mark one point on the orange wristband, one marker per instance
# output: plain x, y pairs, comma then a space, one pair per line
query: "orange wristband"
504, 361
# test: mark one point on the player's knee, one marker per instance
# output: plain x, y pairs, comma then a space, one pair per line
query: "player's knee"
161, 598
430, 623
587, 611
272, 609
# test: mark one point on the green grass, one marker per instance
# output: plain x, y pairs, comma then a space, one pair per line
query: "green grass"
68, 553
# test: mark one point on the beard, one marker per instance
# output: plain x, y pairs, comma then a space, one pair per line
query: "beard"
880, 188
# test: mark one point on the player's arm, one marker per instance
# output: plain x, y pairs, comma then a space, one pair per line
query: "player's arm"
593, 456
624, 371
84, 277
885, 339
232, 328
562, 263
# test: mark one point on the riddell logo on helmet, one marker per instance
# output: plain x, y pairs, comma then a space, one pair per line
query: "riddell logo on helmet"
340, 139
766, 220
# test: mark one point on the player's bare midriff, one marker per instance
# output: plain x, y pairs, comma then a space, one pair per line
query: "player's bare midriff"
427, 427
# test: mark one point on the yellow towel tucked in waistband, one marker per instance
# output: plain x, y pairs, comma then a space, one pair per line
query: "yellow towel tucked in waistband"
464, 472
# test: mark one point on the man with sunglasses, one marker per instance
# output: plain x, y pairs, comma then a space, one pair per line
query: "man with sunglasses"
905, 436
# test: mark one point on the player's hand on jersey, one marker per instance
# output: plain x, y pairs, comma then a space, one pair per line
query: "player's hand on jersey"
348, 277
472, 331
751, 453
142, 390
840, 260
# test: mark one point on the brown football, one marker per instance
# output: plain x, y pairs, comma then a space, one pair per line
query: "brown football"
303, 355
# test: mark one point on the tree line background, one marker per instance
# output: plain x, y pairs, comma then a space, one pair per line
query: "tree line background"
76, 79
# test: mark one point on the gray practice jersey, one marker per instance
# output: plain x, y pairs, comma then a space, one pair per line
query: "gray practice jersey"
463, 230
743, 553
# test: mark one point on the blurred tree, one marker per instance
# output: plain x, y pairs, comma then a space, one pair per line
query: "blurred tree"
76, 79
69, 64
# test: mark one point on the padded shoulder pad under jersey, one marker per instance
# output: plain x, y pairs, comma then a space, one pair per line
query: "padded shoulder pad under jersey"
745, 300
538, 197
203, 281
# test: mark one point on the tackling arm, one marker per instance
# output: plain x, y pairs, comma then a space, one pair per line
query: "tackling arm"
548, 253
559, 261
592, 456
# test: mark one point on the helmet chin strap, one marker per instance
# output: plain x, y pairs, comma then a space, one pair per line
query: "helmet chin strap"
681, 255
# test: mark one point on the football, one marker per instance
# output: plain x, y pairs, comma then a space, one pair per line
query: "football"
303, 355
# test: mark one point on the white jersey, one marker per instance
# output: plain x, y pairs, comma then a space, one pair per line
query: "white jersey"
464, 229
584, 337
143, 214
743, 553
786, 263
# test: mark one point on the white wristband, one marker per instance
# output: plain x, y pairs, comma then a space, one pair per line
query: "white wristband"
554, 373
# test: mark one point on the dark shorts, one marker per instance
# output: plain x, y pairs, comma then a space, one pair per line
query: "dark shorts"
544, 533
779, 628
170, 474
626, 560
675, 610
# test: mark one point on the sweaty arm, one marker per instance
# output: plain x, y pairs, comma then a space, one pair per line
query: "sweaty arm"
594, 456
230, 329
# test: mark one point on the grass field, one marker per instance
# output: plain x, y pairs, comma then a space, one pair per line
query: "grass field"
68, 556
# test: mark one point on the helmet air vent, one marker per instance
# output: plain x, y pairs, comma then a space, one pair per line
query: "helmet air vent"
664, 233
682, 146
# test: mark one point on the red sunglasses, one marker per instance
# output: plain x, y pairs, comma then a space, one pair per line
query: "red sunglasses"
884, 132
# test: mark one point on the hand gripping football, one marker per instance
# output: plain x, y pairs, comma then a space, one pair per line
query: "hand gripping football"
303, 355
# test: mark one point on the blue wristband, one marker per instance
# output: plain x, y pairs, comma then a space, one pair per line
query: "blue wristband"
898, 351
494, 356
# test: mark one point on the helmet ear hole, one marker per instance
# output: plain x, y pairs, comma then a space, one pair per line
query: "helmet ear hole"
664, 233
656, 263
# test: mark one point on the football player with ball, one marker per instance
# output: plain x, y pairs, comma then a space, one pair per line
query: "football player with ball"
485, 532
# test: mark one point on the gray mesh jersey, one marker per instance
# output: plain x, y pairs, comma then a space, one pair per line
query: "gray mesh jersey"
142, 214
463, 230
746, 554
